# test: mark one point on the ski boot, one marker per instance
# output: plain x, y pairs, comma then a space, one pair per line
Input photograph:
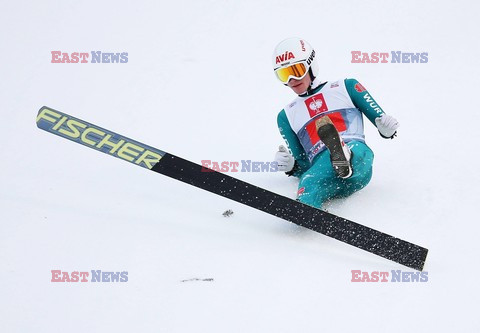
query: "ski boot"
340, 154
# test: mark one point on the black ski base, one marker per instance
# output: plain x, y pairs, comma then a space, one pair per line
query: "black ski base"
344, 230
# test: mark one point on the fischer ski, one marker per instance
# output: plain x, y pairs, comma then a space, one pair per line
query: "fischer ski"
355, 234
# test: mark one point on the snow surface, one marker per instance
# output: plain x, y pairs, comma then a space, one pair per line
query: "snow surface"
199, 84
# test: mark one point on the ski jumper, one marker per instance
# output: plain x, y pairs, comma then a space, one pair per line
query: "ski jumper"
344, 102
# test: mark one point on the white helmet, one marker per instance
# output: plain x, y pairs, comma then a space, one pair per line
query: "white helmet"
298, 52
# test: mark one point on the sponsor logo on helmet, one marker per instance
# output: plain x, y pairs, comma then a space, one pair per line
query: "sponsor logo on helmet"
284, 57
310, 59
303, 45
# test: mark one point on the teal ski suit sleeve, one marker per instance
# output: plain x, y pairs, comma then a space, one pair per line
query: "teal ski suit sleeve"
362, 99
302, 163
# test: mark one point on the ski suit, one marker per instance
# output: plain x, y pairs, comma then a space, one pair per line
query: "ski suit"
344, 102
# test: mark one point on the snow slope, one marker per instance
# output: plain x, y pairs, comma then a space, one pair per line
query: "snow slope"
199, 84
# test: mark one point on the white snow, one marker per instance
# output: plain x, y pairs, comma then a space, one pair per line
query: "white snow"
199, 84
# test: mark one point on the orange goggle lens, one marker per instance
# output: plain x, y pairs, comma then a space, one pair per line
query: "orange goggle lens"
296, 71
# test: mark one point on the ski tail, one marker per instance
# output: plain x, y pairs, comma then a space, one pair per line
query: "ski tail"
352, 233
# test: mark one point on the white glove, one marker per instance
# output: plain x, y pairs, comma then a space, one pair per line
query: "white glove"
284, 159
387, 125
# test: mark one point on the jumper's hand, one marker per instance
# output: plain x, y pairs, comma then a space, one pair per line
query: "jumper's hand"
387, 126
284, 159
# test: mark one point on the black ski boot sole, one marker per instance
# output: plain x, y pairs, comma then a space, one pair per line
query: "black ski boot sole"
330, 137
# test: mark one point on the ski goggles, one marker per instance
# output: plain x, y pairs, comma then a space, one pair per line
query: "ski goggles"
295, 71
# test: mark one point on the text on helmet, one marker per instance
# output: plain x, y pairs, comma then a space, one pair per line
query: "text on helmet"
284, 57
